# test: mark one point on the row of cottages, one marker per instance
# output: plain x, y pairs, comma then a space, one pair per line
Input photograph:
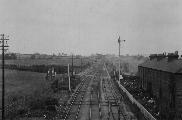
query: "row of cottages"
161, 76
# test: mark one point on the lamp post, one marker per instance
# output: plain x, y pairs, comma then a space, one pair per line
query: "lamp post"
119, 41
3, 45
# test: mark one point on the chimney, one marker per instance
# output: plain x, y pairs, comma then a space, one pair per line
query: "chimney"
173, 56
161, 56
176, 52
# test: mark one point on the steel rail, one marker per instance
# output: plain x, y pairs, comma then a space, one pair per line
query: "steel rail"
75, 98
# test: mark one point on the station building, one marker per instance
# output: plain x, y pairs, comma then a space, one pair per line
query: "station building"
161, 76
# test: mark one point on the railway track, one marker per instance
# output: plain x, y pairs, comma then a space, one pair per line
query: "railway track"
96, 98
95, 107
73, 108
114, 97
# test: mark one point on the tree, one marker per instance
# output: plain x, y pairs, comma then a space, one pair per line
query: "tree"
32, 56
10, 56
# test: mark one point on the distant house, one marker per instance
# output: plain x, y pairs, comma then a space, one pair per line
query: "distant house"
23, 56
9, 56
43, 56
161, 76
32, 56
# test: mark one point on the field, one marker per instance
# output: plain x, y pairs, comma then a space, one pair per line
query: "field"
20, 83
29, 92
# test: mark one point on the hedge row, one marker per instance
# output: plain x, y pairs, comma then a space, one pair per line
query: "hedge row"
41, 68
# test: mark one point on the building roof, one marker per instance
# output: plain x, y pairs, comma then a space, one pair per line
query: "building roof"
172, 66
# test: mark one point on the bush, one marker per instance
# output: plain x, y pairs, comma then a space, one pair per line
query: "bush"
37, 103
51, 101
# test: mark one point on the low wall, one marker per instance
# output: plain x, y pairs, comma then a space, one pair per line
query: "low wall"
146, 114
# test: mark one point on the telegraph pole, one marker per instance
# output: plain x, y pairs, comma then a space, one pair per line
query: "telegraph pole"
81, 64
72, 66
3, 46
119, 41
69, 78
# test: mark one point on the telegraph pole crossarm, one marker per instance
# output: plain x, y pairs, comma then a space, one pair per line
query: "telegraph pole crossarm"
3, 46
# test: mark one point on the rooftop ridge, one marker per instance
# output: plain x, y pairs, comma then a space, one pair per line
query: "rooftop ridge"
173, 66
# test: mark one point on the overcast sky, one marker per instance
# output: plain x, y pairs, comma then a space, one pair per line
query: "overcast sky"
92, 26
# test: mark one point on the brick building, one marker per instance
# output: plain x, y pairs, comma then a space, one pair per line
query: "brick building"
161, 76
